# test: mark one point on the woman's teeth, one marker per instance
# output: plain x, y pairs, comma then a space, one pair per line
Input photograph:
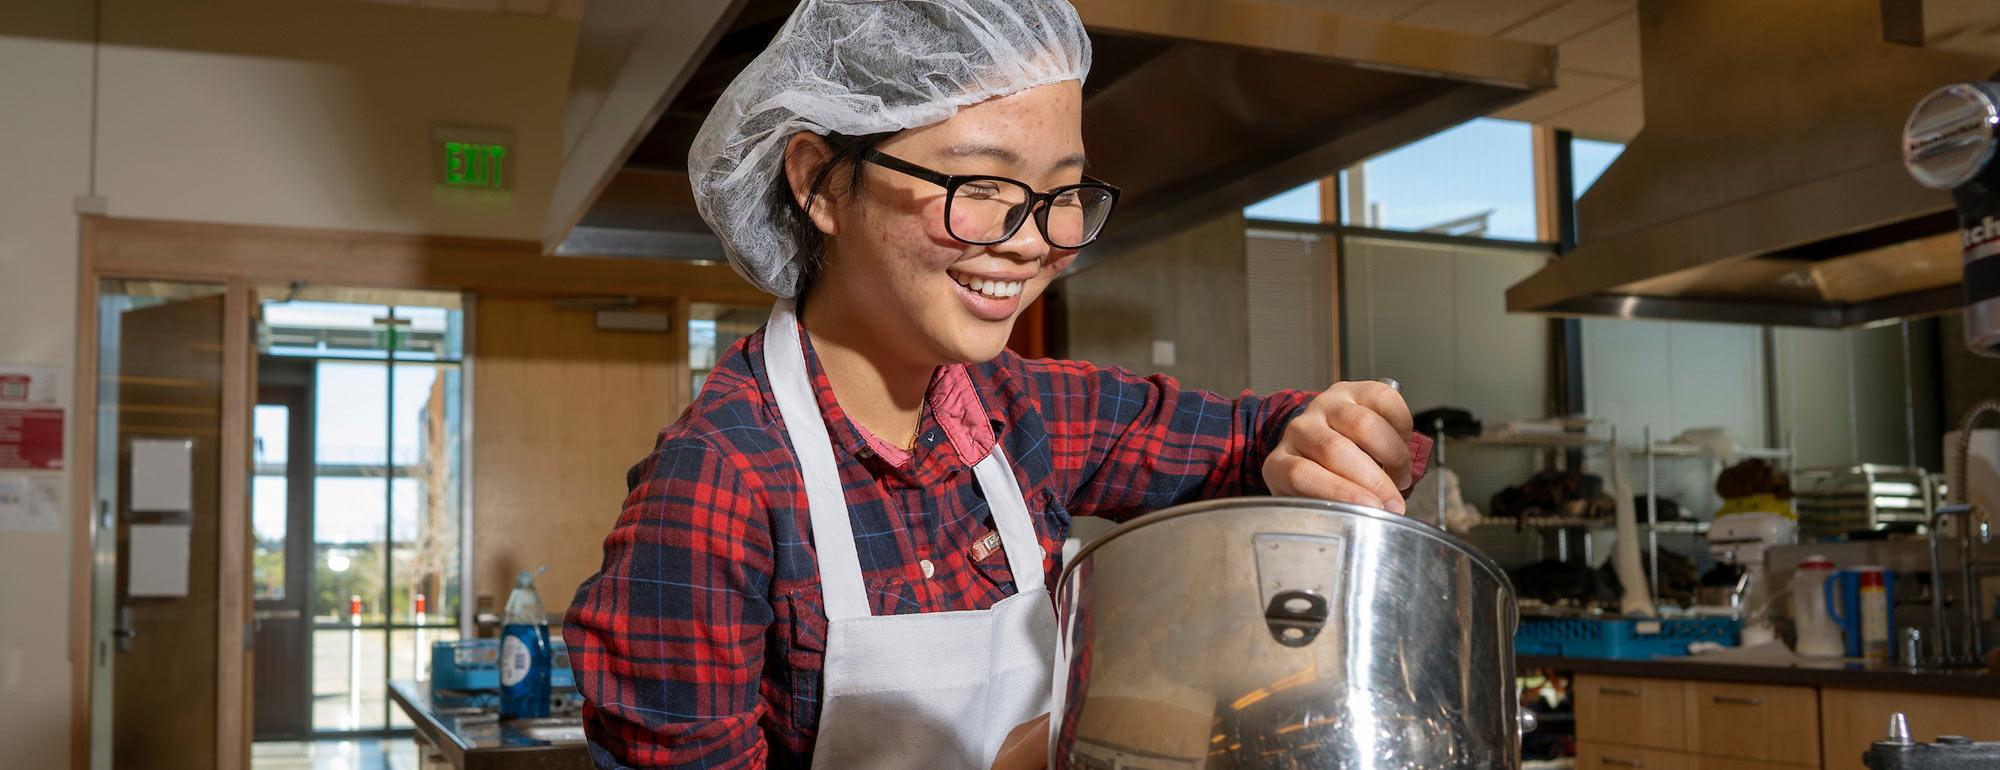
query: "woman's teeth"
990, 288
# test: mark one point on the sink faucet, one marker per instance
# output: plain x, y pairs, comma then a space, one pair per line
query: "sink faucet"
1975, 523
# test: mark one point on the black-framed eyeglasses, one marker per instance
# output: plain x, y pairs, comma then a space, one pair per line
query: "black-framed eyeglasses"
985, 210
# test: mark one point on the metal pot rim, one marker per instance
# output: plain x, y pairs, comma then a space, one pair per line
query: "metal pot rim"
1234, 503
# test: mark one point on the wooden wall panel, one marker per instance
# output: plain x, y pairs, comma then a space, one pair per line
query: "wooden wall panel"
1853, 719
560, 412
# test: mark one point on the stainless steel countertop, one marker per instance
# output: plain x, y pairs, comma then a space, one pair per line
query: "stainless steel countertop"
476, 741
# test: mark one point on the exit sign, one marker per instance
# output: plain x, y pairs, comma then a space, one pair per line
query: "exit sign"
471, 164
472, 158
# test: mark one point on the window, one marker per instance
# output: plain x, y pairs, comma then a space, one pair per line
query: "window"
1588, 159
1299, 204
1475, 180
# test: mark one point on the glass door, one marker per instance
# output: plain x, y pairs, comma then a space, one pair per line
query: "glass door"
383, 400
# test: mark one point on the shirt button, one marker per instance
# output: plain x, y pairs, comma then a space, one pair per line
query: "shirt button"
928, 568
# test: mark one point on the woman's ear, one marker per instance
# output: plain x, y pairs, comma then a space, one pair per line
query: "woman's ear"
806, 153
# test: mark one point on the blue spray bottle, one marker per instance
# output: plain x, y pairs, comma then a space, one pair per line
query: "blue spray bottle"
524, 652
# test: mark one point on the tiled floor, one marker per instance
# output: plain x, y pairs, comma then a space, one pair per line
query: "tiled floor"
366, 754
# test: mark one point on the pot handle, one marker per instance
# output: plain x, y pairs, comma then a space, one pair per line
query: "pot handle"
1296, 617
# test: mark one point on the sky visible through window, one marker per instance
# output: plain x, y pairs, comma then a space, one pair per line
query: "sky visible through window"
1475, 179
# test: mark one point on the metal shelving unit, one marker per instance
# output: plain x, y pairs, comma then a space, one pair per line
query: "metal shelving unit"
1582, 440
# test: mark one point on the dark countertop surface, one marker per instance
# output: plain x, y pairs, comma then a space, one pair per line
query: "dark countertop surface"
476, 740
1836, 674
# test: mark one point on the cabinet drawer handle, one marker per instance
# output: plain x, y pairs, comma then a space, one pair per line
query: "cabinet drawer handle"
1621, 762
1739, 700
1632, 691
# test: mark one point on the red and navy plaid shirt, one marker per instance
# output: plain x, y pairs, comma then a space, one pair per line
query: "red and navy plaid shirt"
699, 644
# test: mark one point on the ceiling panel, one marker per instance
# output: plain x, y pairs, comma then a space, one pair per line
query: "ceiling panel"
1568, 20
1610, 49
1479, 17
1573, 89
1616, 116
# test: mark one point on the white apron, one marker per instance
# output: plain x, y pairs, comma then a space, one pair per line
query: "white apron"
927, 691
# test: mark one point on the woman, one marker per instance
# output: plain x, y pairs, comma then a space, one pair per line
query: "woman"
840, 555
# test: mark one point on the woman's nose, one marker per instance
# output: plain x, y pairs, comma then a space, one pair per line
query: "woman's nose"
1027, 244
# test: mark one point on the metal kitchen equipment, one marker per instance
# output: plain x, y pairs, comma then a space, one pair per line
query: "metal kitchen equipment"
1949, 144
1284, 633
1973, 522
1837, 501
1950, 752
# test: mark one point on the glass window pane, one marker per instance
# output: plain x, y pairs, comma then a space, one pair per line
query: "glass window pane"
349, 691
350, 409
346, 575
1299, 204
325, 329
1588, 159
349, 510
268, 509
273, 430
433, 334
419, 403
1474, 180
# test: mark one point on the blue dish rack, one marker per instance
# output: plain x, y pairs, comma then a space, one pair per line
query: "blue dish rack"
474, 664
1623, 638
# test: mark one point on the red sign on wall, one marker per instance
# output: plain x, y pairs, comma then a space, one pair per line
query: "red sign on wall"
31, 439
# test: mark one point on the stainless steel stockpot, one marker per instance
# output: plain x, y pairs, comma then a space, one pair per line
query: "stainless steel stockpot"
1284, 633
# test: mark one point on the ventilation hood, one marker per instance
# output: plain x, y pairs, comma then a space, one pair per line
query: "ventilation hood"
1194, 107
1768, 184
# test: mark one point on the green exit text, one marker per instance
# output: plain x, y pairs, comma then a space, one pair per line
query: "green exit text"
470, 164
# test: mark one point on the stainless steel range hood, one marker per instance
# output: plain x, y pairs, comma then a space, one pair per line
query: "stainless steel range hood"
1768, 184
1194, 107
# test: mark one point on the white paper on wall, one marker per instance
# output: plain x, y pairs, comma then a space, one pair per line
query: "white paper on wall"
163, 475
28, 502
157, 560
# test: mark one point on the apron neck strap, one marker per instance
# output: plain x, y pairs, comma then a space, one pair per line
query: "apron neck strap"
833, 534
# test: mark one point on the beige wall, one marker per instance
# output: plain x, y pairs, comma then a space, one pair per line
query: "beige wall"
317, 114
44, 159
1190, 289
310, 113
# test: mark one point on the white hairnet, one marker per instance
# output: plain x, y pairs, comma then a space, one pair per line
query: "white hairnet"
862, 67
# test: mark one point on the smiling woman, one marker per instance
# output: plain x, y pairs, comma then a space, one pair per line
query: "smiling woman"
839, 555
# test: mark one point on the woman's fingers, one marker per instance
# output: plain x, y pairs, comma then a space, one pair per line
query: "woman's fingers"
1374, 433
1342, 456
1383, 400
1292, 475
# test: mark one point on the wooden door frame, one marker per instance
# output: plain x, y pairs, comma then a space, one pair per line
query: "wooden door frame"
241, 258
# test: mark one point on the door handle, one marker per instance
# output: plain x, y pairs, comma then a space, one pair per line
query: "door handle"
123, 633
289, 613
1632, 691
1738, 700
1622, 762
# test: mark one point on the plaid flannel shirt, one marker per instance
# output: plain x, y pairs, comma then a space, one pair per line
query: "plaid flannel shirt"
700, 642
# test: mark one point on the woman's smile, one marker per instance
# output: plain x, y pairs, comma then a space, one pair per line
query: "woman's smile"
991, 298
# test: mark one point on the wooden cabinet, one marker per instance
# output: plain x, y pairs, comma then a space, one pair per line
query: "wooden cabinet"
1694, 725
1754, 721
1598, 756
1853, 719
1725, 763
1626, 711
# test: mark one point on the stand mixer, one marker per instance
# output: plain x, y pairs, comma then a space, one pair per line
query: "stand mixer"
1740, 540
